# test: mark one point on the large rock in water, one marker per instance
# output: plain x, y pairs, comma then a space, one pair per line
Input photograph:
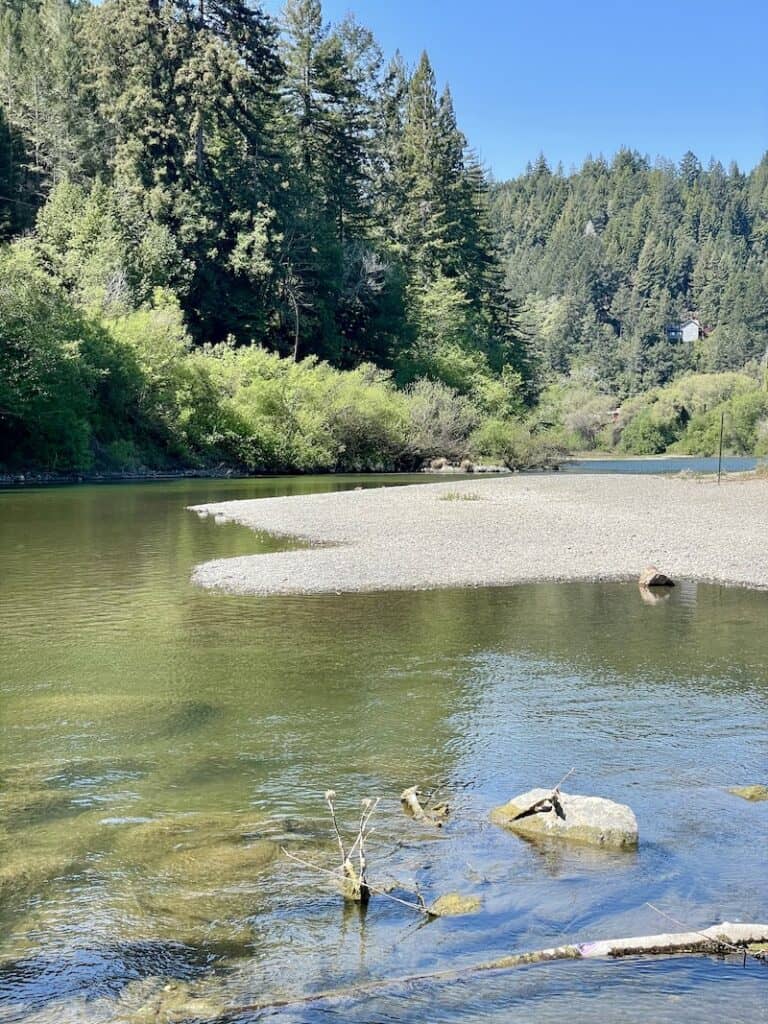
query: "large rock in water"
588, 819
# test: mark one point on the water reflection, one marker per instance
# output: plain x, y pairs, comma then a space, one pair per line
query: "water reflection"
158, 744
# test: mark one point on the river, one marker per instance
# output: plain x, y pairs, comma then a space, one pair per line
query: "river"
159, 744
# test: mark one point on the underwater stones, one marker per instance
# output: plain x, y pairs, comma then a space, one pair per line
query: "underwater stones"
200, 850
754, 794
219, 863
21, 806
453, 904
196, 877
169, 1000
28, 873
587, 819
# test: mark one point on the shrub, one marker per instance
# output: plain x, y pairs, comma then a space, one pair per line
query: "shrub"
745, 427
439, 422
645, 435
518, 447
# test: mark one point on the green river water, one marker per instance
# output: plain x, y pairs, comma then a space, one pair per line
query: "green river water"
158, 744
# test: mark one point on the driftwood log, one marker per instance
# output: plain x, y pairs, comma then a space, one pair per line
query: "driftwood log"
719, 939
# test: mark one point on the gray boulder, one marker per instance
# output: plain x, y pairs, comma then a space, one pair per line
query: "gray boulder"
585, 819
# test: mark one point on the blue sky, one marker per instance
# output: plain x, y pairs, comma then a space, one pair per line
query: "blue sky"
572, 78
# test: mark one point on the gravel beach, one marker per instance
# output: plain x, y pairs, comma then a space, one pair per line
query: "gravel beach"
518, 529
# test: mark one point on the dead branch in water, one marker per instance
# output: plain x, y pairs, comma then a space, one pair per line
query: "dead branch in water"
719, 939
353, 880
434, 816
421, 907
547, 803
355, 886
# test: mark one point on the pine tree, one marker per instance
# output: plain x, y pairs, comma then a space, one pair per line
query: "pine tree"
188, 94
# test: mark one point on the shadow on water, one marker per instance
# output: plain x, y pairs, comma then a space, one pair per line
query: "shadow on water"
158, 744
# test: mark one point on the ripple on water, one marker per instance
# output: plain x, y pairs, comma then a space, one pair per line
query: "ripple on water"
129, 698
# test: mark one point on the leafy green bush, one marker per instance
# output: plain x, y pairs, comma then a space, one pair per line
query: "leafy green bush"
745, 427
518, 447
46, 386
646, 435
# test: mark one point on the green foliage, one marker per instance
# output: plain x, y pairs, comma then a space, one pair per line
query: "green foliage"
306, 415
440, 422
272, 175
646, 435
682, 417
65, 388
519, 447
745, 427
230, 223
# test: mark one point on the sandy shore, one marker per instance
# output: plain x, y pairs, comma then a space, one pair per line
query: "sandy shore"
517, 529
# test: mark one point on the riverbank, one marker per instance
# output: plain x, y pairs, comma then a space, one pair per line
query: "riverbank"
518, 529
36, 478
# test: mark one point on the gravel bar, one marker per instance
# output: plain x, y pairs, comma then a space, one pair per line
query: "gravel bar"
519, 529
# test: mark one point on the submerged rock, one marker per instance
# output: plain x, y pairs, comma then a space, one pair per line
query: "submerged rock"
169, 1000
453, 904
19, 807
587, 819
648, 596
753, 793
29, 873
214, 850
218, 864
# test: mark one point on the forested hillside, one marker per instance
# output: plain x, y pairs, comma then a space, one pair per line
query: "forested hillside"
608, 258
285, 183
276, 184
231, 240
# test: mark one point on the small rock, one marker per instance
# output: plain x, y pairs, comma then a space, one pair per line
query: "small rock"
651, 577
753, 793
453, 904
588, 819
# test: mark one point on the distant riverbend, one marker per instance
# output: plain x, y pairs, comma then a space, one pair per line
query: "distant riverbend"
519, 529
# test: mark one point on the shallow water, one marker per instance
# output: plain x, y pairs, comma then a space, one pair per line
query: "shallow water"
663, 464
159, 743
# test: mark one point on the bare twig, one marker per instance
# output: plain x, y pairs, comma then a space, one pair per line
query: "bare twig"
547, 803
730, 945
338, 877
330, 796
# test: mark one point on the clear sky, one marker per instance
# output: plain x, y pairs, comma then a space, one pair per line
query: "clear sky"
572, 77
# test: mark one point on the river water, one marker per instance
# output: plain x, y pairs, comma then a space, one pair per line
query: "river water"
159, 744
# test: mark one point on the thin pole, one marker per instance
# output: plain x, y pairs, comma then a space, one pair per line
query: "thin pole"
720, 456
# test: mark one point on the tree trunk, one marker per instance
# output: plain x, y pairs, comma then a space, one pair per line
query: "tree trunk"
720, 938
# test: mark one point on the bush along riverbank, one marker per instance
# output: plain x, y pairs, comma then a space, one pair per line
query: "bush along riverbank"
81, 393
127, 396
